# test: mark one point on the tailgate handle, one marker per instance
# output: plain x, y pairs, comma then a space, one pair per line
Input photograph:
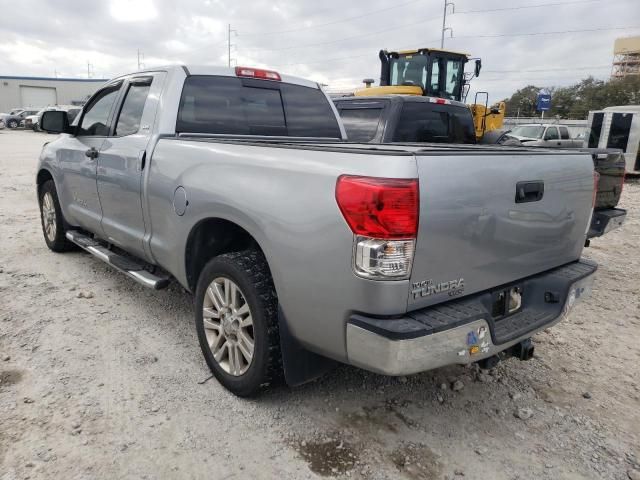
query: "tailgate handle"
529, 191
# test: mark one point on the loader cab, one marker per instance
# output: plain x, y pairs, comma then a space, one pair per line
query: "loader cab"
430, 72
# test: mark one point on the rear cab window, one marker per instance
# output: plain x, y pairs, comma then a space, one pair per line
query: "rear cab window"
564, 133
234, 106
361, 120
427, 122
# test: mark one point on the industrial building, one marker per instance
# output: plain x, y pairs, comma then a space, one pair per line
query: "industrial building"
22, 92
626, 57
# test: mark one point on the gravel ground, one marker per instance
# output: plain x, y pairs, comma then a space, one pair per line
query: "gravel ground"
101, 378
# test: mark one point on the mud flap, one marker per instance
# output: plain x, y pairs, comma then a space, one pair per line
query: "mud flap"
299, 364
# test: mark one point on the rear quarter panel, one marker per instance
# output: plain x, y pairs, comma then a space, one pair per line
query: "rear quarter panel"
285, 198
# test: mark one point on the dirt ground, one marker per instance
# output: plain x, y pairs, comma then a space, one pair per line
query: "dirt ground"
102, 378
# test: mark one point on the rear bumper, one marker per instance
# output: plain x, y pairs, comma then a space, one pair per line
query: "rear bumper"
463, 331
603, 221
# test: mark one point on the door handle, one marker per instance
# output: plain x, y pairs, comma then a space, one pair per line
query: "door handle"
92, 153
529, 191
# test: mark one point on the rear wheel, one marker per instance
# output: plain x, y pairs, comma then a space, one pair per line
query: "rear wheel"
237, 321
53, 224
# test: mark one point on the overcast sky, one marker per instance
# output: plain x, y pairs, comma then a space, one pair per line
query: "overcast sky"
333, 42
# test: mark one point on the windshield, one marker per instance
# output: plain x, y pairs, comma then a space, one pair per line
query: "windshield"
409, 70
531, 131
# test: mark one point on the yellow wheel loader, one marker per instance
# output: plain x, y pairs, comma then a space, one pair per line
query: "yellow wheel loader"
435, 73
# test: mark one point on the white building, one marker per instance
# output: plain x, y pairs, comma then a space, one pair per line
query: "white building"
22, 92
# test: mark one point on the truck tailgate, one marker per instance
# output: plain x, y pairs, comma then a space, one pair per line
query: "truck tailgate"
476, 232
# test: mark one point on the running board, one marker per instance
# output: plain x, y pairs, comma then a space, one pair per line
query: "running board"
131, 268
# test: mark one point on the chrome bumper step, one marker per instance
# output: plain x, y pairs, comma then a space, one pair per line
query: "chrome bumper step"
131, 268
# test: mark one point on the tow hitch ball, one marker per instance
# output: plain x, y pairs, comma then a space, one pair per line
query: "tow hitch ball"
522, 351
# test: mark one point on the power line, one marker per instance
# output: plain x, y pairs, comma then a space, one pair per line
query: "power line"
522, 7
336, 59
593, 67
348, 19
498, 35
340, 39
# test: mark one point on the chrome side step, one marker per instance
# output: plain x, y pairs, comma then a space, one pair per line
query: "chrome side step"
130, 268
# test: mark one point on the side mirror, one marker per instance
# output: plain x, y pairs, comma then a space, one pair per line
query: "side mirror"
478, 67
55, 121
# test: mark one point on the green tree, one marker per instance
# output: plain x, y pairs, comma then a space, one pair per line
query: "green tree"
576, 100
524, 100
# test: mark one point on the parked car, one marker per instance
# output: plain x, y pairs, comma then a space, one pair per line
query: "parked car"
1, 124
33, 121
544, 135
13, 119
390, 119
302, 249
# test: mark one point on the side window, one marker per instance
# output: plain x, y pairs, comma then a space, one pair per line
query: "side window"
128, 121
596, 130
551, 134
619, 132
564, 133
96, 116
361, 124
72, 114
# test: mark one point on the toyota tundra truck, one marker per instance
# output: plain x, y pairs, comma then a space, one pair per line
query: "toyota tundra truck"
302, 249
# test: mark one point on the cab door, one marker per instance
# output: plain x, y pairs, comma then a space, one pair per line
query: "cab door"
78, 160
552, 137
123, 160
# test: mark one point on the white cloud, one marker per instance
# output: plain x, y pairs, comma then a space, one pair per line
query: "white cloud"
312, 39
133, 10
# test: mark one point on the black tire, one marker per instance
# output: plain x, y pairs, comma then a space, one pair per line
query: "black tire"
57, 242
13, 124
250, 272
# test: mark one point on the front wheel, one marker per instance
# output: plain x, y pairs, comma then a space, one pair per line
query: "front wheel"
13, 124
237, 321
53, 224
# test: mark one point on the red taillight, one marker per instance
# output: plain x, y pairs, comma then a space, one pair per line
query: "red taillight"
379, 207
596, 178
257, 73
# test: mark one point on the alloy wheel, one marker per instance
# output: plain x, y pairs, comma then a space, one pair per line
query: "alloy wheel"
228, 326
49, 216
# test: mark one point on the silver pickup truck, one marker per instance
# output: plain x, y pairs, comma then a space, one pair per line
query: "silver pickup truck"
539, 135
302, 249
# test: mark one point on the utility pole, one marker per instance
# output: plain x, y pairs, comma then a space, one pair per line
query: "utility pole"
89, 67
229, 45
444, 20
140, 64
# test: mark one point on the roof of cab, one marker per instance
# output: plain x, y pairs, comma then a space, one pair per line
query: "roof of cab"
400, 99
223, 71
